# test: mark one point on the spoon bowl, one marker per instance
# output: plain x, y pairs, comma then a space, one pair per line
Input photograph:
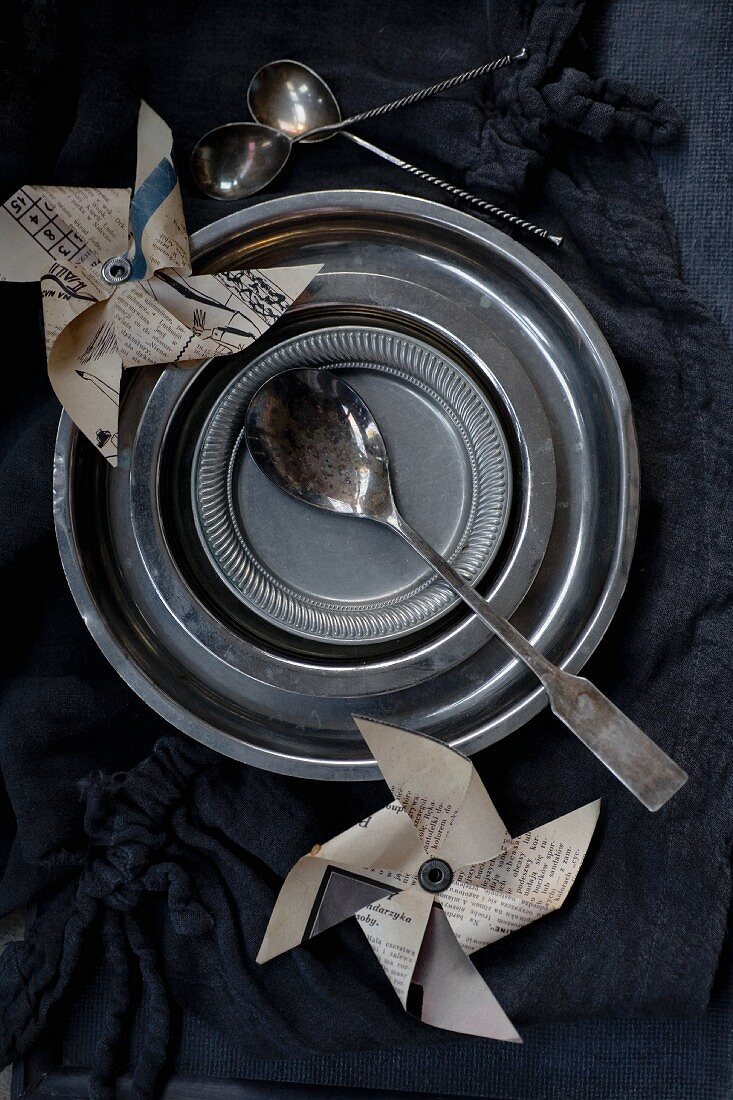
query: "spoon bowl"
293, 99
238, 159
316, 439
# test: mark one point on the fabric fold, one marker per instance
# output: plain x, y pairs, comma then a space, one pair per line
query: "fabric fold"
537, 99
129, 858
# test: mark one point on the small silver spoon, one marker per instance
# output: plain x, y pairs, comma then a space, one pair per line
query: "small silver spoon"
314, 437
293, 98
292, 103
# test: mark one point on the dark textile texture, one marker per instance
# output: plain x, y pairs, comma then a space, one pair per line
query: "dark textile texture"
657, 1058
684, 50
172, 870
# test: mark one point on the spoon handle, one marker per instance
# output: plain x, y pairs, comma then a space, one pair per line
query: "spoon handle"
415, 97
482, 204
436, 89
625, 750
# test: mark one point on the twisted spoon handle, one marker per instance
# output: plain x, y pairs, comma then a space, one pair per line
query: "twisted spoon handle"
625, 750
482, 204
436, 89
414, 97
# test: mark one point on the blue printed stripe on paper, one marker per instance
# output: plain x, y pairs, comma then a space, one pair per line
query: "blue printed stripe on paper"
151, 194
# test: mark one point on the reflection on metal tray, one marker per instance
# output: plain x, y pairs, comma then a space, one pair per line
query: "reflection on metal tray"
161, 599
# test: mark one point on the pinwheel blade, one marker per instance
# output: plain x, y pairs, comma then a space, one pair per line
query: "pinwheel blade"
440, 791
385, 843
448, 992
433, 978
315, 896
395, 928
477, 832
157, 224
51, 230
367, 862
85, 370
68, 293
532, 878
224, 313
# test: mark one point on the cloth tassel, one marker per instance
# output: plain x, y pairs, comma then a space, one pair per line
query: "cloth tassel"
155, 1044
108, 1054
132, 859
36, 973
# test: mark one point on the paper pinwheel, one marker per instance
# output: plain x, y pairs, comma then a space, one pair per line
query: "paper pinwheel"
431, 878
117, 287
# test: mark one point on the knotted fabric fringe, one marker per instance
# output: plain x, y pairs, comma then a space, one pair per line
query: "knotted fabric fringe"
132, 858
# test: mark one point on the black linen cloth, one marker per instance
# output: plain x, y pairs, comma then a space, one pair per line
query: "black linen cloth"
172, 870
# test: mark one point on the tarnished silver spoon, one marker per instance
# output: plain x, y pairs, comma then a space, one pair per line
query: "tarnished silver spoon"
292, 103
293, 98
314, 437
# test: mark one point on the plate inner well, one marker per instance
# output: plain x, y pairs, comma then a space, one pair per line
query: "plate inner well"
354, 561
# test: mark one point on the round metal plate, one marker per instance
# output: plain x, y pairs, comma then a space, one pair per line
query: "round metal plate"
331, 577
179, 632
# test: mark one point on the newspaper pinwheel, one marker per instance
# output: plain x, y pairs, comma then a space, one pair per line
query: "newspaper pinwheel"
117, 287
431, 878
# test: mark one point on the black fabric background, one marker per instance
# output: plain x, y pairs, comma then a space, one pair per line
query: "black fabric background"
187, 855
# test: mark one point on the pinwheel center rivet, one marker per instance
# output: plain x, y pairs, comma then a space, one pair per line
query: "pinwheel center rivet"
117, 270
435, 875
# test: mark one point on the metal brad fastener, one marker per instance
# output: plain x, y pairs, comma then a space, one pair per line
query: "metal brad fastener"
116, 270
435, 876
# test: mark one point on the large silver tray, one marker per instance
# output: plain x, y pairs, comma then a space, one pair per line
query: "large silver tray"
222, 671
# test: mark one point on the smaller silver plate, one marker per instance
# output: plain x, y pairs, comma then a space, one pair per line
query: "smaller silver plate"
335, 578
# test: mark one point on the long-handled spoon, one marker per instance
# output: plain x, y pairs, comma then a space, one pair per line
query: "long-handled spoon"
292, 103
240, 158
293, 98
314, 437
